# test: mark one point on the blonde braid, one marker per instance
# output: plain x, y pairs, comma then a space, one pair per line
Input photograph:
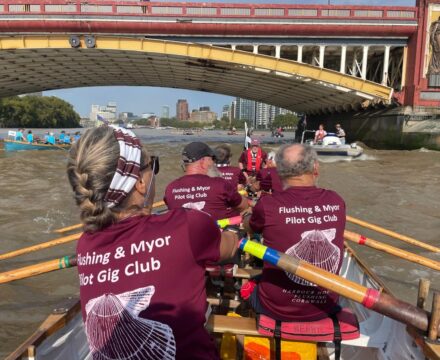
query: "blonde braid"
91, 165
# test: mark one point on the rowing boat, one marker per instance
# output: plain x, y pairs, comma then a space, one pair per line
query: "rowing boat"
14, 145
62, 336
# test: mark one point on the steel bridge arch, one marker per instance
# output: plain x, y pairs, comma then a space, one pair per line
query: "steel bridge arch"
47, 62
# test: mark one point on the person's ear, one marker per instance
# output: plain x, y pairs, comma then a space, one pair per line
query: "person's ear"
316, 168
141, 185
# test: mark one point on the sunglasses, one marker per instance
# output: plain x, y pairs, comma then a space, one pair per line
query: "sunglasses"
153, 164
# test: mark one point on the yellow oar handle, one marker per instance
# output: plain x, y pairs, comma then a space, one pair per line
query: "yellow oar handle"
362, 240
37, 269
77, 226
393, 234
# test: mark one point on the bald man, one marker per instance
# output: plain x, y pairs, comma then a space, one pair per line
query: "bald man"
303, 221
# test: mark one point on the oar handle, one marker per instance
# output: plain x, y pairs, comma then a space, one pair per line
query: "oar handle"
236, 220
37, 269
368, 297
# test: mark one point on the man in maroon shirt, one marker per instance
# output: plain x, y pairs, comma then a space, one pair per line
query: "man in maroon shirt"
268, 179
303, 221
228, 172
197, 190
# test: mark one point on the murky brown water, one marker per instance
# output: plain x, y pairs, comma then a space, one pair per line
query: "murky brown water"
399, 190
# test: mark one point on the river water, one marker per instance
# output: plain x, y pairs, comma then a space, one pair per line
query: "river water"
398, 190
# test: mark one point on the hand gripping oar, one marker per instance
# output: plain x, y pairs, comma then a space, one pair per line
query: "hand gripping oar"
370, 298
221, 223
77, 226
393, 234
37, 269
362, 240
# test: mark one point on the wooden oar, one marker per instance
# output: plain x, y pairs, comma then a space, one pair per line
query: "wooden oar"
221, 223
393, 234
362, 240
37, 269
77, 226
370, 298
41, 246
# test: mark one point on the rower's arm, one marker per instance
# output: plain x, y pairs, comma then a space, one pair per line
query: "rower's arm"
228, 245
243, 205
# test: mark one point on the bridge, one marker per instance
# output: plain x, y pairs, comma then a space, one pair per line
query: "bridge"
309, 58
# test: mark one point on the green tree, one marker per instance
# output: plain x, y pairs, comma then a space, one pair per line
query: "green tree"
287, 121
37, 112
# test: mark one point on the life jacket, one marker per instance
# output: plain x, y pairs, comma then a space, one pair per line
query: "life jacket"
321, 134
258, 160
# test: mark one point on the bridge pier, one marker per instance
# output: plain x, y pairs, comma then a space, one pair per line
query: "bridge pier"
399, 128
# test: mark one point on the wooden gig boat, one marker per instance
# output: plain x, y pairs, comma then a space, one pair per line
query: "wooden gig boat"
62, 336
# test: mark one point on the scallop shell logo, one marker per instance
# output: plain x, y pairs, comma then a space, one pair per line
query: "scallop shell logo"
115, 330
316, 248
200, 205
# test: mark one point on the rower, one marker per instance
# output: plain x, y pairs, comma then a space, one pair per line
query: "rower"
142, 284
228, 172
268, 180
30, 136
202, 188
304, 221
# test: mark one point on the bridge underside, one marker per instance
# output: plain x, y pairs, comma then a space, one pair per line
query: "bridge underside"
31, 64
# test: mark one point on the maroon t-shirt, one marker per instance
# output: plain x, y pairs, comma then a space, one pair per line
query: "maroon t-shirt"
269, 180
244, 159
232, 174
213, 195
307, 223
142, 286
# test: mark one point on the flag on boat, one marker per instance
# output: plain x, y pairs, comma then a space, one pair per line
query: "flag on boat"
247, 138
102, 119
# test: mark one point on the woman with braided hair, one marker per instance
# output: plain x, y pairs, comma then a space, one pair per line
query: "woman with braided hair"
141, 275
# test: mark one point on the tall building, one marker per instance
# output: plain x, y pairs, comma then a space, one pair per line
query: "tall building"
182, 112
245, 110
226, 112
258, 115
165, 113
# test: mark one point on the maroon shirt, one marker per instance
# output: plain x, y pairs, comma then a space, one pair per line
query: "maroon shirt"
307, 223
269, 180
232, 174
142, 286
213, 195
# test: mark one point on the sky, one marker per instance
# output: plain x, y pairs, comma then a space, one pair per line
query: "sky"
140, 100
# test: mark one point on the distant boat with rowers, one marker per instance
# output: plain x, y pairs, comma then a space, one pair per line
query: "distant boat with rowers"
332, 146
15, 145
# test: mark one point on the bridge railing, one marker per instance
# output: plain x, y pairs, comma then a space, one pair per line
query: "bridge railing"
188, 11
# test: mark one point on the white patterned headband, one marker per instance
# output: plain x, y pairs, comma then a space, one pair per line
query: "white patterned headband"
128, 169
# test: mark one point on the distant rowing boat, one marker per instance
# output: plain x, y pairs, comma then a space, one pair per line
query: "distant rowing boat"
14, 145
